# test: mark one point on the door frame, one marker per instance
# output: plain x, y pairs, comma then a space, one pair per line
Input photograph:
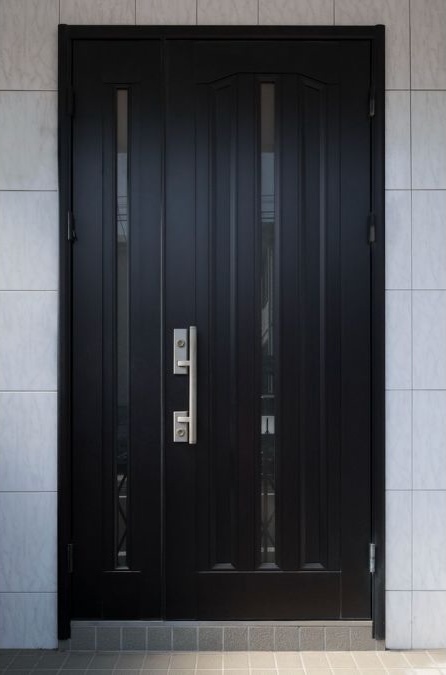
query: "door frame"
67, 36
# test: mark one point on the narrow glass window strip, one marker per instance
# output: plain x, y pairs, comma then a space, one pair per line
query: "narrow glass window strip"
267, 407
122, 331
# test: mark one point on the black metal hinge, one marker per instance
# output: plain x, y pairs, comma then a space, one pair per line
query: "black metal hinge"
372, 102
70, 558
71, 232
70, 101
372, 228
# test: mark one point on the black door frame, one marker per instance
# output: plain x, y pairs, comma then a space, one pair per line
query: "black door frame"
67, 36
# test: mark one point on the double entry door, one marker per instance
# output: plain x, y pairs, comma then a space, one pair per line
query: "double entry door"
221, 331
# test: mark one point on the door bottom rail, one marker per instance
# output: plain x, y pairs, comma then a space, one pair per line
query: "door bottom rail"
215, 636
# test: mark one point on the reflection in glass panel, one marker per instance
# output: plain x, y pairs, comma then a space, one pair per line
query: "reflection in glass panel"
122, 328
267, 214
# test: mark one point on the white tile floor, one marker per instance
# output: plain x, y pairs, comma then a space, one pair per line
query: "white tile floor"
43, 662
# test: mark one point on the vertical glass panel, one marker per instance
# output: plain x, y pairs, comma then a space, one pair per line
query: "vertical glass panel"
122, 328
267, 216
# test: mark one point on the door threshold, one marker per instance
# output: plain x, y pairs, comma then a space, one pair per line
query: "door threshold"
215, 636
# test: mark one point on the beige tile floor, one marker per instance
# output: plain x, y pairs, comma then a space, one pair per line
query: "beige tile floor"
41, 662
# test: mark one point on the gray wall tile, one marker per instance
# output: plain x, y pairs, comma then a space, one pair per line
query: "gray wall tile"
28, 551
311, 638
398, 140
429, 338
429, 440
286, 638
210, 638
261, 638
398, 240
429, 620
429, 239
399, 540
235, 638
28, 620
28, 44
28, 140
428, 37
108, 639
181, 12
184, 638
429, 540
296, 12
229, 12
28, 349
337, 638
28, 441
429, 140
398, 440
398, 340
29, 241
159, 638
134, 638
97, 11
398, 619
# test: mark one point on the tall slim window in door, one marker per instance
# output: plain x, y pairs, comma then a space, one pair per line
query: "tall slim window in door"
122, 413
267, 234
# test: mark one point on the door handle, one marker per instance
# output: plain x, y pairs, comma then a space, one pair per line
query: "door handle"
185, 362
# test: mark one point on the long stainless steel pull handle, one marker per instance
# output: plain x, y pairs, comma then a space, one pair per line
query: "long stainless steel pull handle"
181, 366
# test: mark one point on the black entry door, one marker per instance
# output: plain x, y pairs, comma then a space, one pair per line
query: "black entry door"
222, 184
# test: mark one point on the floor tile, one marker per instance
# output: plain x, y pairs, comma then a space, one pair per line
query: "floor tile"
393, 660
210, 661
78, 661
131, 661
340, 660
312, 660
235, 660
157, 661
183, 661
24, 661
438, 656
419, 659
367, 660
285, 660
52, 660
262, 660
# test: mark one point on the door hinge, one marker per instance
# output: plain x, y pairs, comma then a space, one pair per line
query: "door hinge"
372, 228
70, 101
70, 558
372, 102
372, 558
71, 232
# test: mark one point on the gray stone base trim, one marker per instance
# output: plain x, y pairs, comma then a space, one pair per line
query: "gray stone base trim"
159, 636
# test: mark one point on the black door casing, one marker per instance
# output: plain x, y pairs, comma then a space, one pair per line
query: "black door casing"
194, 524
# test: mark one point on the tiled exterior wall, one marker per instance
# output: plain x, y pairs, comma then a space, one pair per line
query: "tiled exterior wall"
416, 295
